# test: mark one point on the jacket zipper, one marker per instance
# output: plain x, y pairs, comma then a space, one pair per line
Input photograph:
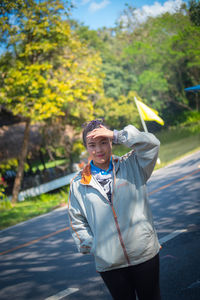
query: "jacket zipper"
117, 223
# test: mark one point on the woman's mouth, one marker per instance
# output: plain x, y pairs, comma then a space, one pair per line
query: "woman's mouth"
100, 155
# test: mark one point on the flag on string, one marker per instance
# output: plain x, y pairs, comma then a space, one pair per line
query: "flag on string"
148, 114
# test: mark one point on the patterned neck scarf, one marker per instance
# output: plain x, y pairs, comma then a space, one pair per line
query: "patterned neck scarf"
104, 177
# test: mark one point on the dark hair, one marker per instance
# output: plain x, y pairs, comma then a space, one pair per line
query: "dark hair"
89, 126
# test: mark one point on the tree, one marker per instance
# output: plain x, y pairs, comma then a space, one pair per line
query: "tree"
46, 71
163, 54
119, 113
194, 12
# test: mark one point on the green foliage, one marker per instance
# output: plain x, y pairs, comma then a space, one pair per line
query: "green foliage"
49, 164
190, 118
194, 11
118, 113
2, 187
118, 80
157, 59
62, 73
88, 36
77, 149
160, 57
8, 8
4, 203
170, 152
178, 132
10, 164
47, 70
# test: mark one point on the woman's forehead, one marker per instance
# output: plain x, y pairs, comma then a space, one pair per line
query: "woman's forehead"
96, 140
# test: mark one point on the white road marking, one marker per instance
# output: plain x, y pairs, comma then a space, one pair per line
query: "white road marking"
171, 235
194, 284
63, 294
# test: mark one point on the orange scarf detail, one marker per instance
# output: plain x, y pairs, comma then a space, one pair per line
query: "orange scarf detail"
86, 175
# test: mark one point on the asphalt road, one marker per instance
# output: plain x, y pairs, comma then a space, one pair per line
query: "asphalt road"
38, 259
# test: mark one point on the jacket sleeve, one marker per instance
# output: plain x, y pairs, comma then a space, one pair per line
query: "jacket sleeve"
145, 145
80, 229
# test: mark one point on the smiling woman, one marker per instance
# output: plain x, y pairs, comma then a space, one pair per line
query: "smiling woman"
109, 212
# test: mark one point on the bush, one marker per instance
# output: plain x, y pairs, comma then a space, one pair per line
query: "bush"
4, 203
189, 118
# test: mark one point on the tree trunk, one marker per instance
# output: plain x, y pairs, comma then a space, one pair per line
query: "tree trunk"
22, 159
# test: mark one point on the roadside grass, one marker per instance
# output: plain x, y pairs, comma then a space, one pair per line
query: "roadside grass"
12, 214
175, 143
176, 150
49, 164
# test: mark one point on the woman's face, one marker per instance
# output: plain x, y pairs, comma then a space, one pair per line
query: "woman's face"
100, 150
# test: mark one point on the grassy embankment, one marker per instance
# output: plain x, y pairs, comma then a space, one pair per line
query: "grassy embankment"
175, 143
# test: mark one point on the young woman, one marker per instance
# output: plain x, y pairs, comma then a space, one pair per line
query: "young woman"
109, 212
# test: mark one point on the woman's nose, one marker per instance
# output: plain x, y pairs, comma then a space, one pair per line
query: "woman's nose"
98, 148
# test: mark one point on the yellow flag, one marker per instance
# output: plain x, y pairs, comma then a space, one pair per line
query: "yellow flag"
148, 114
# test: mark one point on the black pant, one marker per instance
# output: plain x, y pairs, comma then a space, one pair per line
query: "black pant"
142, 279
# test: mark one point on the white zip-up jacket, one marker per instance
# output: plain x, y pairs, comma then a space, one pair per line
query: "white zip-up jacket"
119, 233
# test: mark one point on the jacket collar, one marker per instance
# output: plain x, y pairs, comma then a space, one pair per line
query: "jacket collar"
86, 174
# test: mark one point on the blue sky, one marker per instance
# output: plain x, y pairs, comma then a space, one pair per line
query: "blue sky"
99, 13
